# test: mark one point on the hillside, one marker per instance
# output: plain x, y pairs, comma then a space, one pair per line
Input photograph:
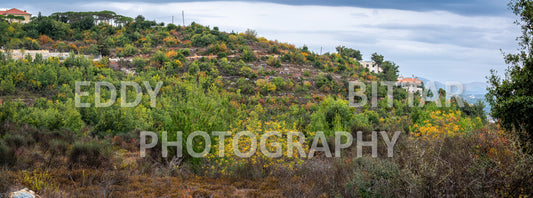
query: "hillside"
57, 141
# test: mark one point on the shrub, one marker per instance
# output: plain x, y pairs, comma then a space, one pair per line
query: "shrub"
265, 86
185, 51
300, 58
248, 55
128, 50
194, 68
14, 141
7, 86
7, 157
5, 180
373, 177
217, 48
307, 73
91, 154
160, 57
58, 146
170, 41
250, 34
324, 80
202, 40
139, 62
273, 61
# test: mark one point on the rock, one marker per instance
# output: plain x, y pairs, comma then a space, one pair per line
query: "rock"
24, 193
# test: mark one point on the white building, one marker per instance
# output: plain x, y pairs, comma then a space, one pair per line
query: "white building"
410, 84
372, 66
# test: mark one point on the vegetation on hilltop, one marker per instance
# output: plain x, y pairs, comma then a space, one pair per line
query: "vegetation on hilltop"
218, 81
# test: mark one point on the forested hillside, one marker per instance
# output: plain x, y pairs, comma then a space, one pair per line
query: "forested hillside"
219, 81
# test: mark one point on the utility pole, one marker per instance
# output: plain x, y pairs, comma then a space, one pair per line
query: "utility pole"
183, 17
172, 19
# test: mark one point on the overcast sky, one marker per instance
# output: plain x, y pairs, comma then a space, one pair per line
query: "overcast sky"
455, 40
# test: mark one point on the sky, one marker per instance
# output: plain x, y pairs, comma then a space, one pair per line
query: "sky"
454, 40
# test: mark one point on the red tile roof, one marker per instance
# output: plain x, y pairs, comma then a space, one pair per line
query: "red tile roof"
410, 80
14, 11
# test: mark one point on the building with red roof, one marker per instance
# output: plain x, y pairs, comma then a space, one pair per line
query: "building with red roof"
16, 12
410, 84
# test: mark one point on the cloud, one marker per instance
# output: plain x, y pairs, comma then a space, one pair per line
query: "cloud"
465, 7
436, 44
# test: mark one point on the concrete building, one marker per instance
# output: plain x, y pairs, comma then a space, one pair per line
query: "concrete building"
16, 12
372, 66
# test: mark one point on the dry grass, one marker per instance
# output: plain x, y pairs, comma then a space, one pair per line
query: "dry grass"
482, 164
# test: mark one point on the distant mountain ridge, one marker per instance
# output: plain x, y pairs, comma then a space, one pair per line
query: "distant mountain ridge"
472, 92
469, 89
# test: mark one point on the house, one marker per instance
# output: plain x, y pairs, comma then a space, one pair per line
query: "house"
412, 85
16, 12
372, 66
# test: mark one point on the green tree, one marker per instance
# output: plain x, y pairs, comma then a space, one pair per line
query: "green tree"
511, 97
348, 52
250, 34
389, 71
377, 58
85, 23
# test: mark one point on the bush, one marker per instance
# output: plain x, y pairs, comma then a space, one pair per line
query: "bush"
185, 51
248, 55
273, 61
5, 180
139, 62
160, 57
14, 141
250, 35
373, 178
7, 157
91, 154
58, 146
265, 87
194, 68
202, 40
128, 50
7, 86
307, 73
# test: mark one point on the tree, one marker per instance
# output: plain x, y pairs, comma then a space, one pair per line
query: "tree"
348, 52
84, 24
47, 26
511, 97
390, 71
103, 44
250, 34
122, 20
378, 59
